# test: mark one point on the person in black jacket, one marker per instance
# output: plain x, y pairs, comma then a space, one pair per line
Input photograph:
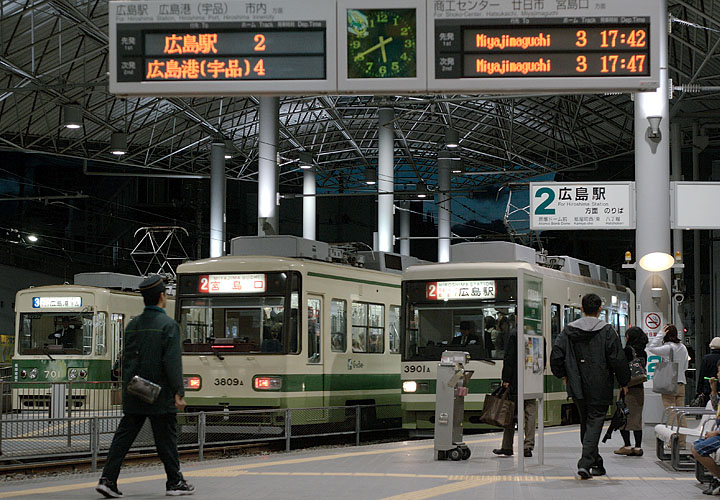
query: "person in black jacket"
152, 351
586, 355
509, 378
708, 368
635, 342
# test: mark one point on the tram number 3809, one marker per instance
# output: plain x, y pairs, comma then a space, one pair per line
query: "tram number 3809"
228, 381
416, 369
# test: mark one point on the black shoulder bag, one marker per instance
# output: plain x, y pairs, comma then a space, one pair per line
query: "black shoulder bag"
143, 388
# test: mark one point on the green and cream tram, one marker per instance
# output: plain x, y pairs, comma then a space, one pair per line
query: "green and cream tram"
479, 291
272, 332
73, 334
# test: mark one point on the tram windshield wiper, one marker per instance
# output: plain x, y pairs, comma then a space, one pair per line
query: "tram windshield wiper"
45, 351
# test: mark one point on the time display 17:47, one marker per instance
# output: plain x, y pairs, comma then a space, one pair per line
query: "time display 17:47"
381, 43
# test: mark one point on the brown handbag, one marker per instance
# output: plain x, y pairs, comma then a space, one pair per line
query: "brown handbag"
498, 410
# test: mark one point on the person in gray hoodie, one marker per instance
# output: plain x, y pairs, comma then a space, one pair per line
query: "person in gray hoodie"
586, 355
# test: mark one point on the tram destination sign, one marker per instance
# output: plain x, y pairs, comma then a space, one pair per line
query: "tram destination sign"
222, 48
535, 45
582, 205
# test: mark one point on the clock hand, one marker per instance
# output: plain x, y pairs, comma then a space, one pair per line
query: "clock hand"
374, 47
382, 50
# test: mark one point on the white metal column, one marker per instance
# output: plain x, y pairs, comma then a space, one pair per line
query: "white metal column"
268, 111
217, 199
652, 183
309, 204
386, 178
444, 164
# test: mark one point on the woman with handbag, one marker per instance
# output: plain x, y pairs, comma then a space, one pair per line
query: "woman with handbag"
672, 351
635, 342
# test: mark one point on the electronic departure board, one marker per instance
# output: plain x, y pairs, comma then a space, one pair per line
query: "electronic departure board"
225, 48
518, 45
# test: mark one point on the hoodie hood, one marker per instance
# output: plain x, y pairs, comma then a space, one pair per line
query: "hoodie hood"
585, 327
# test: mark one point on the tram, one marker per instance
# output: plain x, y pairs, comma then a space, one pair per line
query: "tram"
478, 290
277, 325
73, 334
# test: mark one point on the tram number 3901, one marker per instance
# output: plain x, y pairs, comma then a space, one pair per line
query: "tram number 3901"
416, 369
228, 381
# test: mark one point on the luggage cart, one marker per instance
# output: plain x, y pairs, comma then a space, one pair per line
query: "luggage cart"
452, 381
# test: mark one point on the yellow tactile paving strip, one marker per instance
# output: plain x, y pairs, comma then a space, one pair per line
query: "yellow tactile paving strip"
458, 482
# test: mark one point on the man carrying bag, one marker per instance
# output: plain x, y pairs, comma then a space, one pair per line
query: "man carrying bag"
151, 358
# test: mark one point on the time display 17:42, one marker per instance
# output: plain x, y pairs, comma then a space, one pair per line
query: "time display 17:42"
381, 43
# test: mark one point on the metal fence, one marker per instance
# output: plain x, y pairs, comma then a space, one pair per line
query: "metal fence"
40, 432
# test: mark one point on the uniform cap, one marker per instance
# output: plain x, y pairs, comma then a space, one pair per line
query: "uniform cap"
151, 285
715, 343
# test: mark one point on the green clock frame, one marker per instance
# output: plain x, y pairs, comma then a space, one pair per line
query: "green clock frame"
381, 43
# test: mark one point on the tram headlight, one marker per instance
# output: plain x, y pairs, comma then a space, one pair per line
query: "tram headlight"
23, 373
83, 373
72, 373
33, 374
267, 383
193, 383
409, 386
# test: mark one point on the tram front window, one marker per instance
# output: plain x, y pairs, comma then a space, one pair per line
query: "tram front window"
244, 324
480, 331
61, 333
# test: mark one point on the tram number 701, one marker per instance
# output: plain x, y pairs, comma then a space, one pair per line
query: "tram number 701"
416, 369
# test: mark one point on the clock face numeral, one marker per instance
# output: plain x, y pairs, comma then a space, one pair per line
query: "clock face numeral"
381, 43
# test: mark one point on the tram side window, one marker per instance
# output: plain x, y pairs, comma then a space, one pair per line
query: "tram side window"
568, 315
368, 327
555, 327
338, 325
314, 337
394, 333
622, 325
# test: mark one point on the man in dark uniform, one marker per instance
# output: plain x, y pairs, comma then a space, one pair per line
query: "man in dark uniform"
65, 335
152, 351
467, 334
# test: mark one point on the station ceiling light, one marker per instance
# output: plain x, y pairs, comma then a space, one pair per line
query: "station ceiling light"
656, 261
370, 176
306, 161
118, 143
72, 116
452, 138
229, 149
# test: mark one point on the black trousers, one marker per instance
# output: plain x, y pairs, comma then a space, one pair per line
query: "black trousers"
592, 418
164, 427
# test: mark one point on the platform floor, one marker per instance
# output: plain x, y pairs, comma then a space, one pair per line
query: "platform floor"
397, 471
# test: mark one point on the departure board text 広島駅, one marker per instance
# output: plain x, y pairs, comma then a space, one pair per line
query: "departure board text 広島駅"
257, 53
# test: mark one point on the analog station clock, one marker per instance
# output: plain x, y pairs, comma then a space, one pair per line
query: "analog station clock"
381, 43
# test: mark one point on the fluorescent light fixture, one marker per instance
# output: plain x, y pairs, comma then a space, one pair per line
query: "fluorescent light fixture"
370, 176
657, 261
72, 116
422, 190
452, 138
458, 167
118, 143
306, 160
229, 149
32, 238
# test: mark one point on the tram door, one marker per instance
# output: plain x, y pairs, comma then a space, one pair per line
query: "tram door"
117, 327
315, 326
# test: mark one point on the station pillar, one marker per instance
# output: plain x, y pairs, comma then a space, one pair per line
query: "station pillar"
444, 164
386, 178
217, 199
309, 204
268, 111
404, 227
652, 184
